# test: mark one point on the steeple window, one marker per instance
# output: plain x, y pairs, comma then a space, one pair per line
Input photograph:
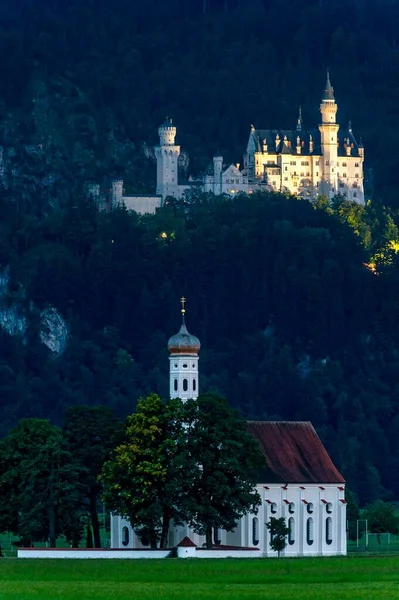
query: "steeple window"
185, 385
194, 385
175, 385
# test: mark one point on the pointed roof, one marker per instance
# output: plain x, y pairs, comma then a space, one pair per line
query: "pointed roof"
328, 93
299, 122
294, 453
186, 543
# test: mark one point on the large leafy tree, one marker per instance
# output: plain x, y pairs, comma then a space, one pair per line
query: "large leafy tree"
381, 517
224, 462
90, 434
38, 482
142, 480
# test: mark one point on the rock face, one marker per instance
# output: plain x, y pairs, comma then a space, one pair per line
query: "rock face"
53, 329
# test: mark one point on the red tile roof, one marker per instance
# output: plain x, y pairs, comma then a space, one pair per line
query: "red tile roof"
294, 453
186, 543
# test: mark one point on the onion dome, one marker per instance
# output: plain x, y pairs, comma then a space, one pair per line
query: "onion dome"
183, 342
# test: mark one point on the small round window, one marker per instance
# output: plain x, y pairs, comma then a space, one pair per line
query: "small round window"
185, 366
329, 507
291, 507
273, 508
310, 508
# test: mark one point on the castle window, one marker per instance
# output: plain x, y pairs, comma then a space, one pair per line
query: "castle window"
291, 507
341, 184
185, 385
194, 385
356, 164
327, 163
317, 163
285, 178
255, 531
354, 184
329, 531
175, 385
291, 531
309, 531
357, 175
355, 194
344, 175
344, 164
125, 536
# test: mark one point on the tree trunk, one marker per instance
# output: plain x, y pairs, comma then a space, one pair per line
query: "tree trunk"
94, 520
165, 528
208, 536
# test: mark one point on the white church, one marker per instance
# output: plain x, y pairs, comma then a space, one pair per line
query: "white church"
304, 162
300, 482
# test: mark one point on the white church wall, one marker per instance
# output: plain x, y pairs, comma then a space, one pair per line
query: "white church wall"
90, 553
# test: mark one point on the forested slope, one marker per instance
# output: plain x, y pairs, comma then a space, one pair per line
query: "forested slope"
292, 322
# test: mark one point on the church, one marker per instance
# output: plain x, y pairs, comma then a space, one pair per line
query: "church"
325, 160
300, 482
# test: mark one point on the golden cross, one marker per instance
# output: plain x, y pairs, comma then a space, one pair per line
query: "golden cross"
183, 305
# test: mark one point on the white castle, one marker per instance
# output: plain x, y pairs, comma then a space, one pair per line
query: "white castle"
306, 163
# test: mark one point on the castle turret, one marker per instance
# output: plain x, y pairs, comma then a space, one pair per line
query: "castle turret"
167, 155
116, 193
183, 358
329, 141
217, 174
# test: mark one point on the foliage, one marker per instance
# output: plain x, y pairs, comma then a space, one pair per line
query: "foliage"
278, 531
352, 514
381, 517
224, 461
90, 434
143, 478
37, 482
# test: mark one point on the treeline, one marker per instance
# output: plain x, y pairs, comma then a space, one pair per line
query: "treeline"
296, 306
152, 470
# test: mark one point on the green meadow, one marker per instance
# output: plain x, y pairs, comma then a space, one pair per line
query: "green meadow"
353, 578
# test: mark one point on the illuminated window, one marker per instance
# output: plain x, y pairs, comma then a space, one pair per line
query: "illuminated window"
291, 531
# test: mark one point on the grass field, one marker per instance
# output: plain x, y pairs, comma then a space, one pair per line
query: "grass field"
354, 578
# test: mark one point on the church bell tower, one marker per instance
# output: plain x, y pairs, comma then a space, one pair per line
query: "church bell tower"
183, 358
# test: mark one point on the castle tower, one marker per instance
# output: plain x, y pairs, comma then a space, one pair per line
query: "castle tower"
167, 155
217, 174
116, 193
183, 358
329, 141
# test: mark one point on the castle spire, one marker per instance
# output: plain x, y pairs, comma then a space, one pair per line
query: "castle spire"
328, 93
299, 122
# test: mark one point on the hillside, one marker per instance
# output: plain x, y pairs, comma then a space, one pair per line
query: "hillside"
293, 323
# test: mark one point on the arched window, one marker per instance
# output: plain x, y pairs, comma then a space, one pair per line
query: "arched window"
125, 536
255, 531
185, 385
273, 508
175, 385
194, 384
291, 531
329, 508
310, 508
291, 507
217, 536
329, 530
309, 531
